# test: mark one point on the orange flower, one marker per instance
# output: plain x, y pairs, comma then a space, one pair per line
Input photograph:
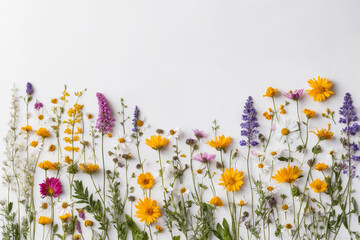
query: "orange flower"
157, 142
220, 143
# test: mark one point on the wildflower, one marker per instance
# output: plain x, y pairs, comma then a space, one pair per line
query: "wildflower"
38, 105
124, 141
286, 207
271, 188
136, 119
274, 154
43, 132
81, 213
320, 89
65, 217
27, 128
67, 160
318, 186
294, 95
231, 179
159, 229
348, 116
47, 165
249, 124
321, 166
286, 131
289, 174
242, 202
44, 207
183, 191
199, 134
145, 180
323, 134
64, 206
156, 142
282, 110
309, 113
76, 237
219, 143
29, 88
148, 210
270, 92
44, 220
52, 148
105, 122
204, 157
267, 116
174, 133
50, 187
88, 168
216, 201
263, 165
88, 223
288, 226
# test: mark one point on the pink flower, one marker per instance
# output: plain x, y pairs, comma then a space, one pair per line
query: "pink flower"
50, 187
294, 95
199, 134
204, 157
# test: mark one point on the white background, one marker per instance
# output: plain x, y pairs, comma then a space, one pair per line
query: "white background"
184, 63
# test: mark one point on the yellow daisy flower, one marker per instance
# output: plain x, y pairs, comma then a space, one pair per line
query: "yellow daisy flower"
65, 217
47, 165
321, 166
44, 220
145, 180
157, 142
148, 210
88, 223
323, 134
220, 143
309, 113
159, 229
43, 132
231, 179
216, 201
289, 174
88, 168
320, 89
270, 92
318, 186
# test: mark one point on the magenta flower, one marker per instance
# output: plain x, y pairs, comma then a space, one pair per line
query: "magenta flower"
105, 122
50, 187
199, 134
204, 157
294, 95
38, 105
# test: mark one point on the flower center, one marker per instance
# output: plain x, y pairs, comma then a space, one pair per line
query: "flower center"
285, 207
44, 206
270, 188
146, 181
331, 153
64, 205
242, 203
182, 190
34, 143
50, 191
320, 89
139, 123
260, 165
273, 153
285, 131
172, 132
121, 140
288, 226
149, 211
41, 117
199, 171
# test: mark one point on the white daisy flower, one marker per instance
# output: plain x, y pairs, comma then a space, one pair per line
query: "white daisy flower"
274, 153
124, 142
183, 190
263, 166
64, 206
288, 227
174, 133
36, 144
271, 187
243, 201
286, 131
44, 207
286, 206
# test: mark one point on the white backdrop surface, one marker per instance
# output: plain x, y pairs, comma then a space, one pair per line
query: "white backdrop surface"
184, 63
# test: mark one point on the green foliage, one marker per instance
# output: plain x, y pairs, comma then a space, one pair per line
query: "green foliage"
10, 229
222, 232
137, 234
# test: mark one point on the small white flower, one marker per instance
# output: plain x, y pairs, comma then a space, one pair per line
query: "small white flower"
243, 201
182, 190
44, 207
263, 166
286, 131
271, 187
64, 206
36, 144
124, 142
286, 206
174, 133
274, 153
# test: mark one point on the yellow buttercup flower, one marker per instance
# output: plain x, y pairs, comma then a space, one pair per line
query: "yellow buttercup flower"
88, 168
76, 237
159, 229
65, 217
145, 180
320, 89
52, 148
34, 143
157, 142
220, 143
270, 92
47, 165
43, 132
54, 101
309, 113
148, 210
216, 201
88, 223
242, 203
44, 220
289, 174
323, 134
318, 186
321, 166
27, 128
231, 179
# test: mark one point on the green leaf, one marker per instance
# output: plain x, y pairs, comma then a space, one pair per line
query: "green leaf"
283, 159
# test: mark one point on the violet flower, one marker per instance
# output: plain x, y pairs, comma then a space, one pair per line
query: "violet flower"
38, 105
204, 157
294, 95
105, 122
348, 117
50, 187
199, 134
29, 89
249, 124
136, 119
78, 226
